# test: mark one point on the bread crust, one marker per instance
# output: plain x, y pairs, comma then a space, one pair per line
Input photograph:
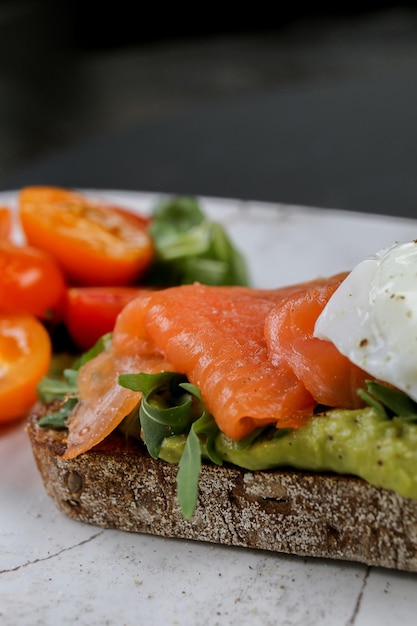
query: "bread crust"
118, 485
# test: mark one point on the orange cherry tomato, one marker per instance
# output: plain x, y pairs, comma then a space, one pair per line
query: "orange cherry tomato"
95, 244
5, 222
92, 311
30, 282
25, 354
136, 219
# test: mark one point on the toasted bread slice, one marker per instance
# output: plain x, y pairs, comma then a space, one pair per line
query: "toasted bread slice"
119, 485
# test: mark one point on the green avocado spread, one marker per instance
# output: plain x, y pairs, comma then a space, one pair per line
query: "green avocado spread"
377, 443
359, 442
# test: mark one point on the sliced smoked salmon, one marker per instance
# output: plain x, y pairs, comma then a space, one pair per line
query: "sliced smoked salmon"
216, 337
329, 376
103, 402
213, 335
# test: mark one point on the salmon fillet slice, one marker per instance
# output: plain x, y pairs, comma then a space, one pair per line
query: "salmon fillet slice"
213, 335
328, 375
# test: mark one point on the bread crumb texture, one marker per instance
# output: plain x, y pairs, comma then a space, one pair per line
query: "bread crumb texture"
118, 485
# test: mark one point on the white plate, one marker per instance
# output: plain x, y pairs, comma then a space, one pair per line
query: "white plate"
57, 571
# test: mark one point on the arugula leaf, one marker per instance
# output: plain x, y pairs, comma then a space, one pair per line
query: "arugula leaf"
180, 213
50, 389
388, 401
190, 248
189, 467
165, 409
58, 419
102, 344
65, 387
172, 406
188, 475
205, 426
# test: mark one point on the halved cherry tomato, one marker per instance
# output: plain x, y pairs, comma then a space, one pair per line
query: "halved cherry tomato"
5, 222
25, 356
137, 219
95, 243
92, 311
30, 282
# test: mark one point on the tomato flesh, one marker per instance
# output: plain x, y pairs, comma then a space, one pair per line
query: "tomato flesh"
5, 222
25, 356
95, 244
30, 282
92, 311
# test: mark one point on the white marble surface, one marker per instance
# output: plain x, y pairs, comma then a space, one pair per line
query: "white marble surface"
57, 571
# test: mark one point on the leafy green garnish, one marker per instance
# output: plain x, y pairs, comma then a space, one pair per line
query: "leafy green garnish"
189, 247
189, 467
57, 420
171, 406
65, 387
205, 426
100, 346
165, 409
389, 402
50, 389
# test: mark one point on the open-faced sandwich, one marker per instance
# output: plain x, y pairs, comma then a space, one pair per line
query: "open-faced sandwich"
281, 419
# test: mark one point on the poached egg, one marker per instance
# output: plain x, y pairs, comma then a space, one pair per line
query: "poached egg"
372, 317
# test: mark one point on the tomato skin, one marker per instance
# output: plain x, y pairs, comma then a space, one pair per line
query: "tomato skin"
136, 219
95, 244
5, 222
91, 312
30, 282
25, 354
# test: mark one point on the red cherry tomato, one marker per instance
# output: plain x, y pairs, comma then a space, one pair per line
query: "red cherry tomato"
92, 311
30, 282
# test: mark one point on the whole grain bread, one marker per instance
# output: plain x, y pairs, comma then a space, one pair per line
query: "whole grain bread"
119, 485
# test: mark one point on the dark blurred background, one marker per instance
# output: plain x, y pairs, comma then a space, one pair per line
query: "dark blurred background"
75, 72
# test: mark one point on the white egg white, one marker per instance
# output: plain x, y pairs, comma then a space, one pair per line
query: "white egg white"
372, 317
